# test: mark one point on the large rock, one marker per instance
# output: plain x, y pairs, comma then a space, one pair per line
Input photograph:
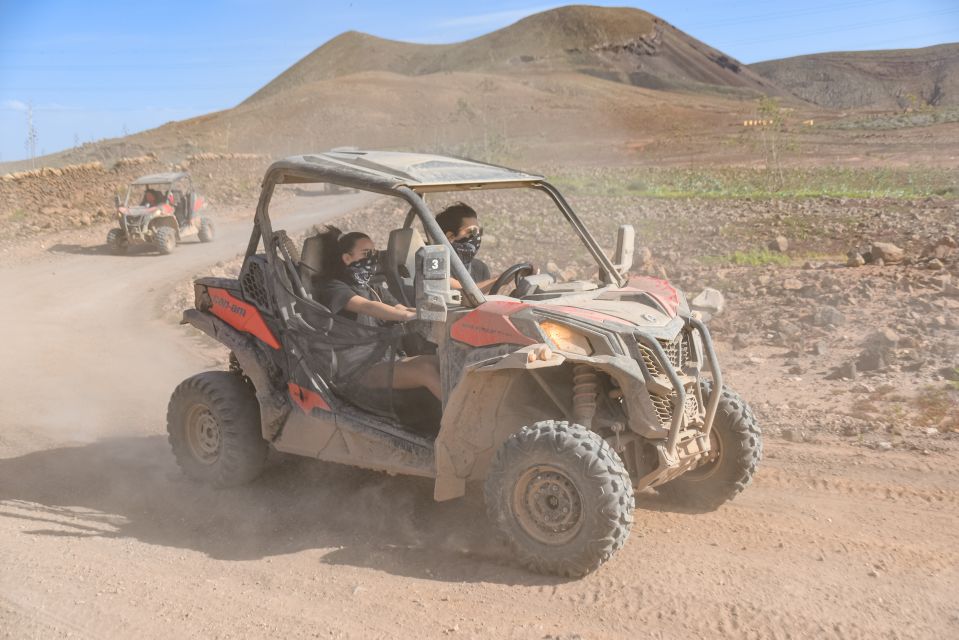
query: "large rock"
887, 252
885, 339
878, 351
872, 360
826, 316
854, 259
779, 243
709, 303
944, 248
792, 284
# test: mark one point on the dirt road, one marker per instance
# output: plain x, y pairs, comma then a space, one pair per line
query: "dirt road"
100, 537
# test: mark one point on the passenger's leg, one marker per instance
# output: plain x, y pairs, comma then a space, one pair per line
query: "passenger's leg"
408, 373
418, 371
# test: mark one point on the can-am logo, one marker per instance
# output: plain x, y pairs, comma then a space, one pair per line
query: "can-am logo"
227, 305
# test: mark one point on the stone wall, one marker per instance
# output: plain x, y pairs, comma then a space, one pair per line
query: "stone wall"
82, 194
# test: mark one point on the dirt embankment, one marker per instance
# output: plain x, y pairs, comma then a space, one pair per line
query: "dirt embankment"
80, 195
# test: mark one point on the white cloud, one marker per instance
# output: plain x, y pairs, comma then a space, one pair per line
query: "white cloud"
14, 105
19, 105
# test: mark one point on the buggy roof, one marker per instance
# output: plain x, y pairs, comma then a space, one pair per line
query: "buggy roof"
161, 178
387, 170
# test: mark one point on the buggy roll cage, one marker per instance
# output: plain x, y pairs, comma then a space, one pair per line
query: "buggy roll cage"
407, 177
169, 180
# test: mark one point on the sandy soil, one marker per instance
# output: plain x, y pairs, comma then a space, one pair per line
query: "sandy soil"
100, 536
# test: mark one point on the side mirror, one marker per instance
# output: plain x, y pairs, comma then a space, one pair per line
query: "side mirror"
625, 246
432, 283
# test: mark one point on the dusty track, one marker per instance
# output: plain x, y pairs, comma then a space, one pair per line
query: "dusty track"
101, 537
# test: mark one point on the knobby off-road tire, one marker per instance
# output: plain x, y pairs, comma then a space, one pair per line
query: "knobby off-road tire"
116, 242
562, 497
206, 232
213, 422
738, 446
164, 239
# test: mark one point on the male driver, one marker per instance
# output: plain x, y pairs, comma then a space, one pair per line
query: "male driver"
461, 225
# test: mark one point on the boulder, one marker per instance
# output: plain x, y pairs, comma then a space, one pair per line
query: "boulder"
844, 372
828, 316
779, 243
709, 303
887, 252
792, 284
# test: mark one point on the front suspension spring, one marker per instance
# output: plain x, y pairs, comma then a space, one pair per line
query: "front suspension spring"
585, 386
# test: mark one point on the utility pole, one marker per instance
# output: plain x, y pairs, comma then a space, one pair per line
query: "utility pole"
31, 142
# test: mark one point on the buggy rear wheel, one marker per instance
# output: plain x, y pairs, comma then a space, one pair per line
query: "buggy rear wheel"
213, 422
164, 239
562, 497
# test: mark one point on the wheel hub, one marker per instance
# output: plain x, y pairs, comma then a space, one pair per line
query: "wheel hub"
203, 434
548, 505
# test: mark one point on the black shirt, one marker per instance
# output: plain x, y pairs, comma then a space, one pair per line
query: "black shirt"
479, 271
334, 293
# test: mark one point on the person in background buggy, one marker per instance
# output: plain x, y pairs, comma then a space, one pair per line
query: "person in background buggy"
151, 198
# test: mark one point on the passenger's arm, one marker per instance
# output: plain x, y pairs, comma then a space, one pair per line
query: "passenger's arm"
483, 285
379, 310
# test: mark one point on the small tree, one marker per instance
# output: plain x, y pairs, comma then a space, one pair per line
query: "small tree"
771, 113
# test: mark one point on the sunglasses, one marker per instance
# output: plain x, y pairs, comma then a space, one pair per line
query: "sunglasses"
474, 231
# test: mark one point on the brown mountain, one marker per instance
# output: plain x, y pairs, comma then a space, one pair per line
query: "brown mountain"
891, 79
575, 84
619, 44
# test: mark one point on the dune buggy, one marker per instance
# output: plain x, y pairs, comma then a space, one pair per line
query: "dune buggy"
159, 210
562, 399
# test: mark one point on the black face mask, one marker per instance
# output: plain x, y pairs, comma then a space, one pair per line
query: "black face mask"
362, 270
468, 247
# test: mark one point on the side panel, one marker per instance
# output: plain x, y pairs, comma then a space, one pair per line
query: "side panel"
489, 324
484, 410
240, 315
305, 434
307, 400
339, 439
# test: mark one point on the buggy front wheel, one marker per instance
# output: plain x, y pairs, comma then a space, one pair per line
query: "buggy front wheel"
164, 239
562, 497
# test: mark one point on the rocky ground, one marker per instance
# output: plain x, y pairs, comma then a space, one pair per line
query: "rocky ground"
841, 316
847, 531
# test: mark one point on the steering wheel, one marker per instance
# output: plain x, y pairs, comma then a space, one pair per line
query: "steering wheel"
517, 271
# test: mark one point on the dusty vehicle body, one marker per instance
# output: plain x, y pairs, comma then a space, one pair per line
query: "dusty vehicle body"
564, 398
169, 217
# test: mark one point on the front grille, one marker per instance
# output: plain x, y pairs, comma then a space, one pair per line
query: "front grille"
134, 224
677, 352
664, 407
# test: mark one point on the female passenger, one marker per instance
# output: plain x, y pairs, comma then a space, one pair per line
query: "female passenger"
350, 262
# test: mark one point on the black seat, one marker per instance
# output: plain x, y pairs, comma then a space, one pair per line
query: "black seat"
399, 264
311, 263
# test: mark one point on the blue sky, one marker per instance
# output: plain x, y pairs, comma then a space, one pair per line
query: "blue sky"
95, 70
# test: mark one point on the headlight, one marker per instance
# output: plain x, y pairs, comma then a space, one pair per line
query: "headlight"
565, 339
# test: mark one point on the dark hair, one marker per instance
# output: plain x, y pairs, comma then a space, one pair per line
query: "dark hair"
450, 219
335, 243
